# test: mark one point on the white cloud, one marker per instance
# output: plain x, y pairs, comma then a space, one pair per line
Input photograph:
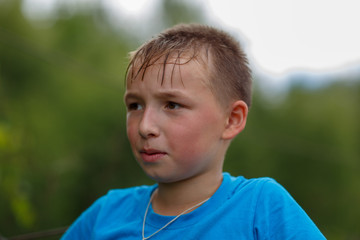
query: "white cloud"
298, 34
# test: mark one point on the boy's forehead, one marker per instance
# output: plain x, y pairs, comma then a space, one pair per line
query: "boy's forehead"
171, 71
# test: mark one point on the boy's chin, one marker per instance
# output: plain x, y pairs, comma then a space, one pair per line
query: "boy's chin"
163, 178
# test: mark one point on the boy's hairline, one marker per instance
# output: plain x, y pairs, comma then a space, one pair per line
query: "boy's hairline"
202, 56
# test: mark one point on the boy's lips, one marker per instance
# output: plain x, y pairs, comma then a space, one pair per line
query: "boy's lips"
151, 155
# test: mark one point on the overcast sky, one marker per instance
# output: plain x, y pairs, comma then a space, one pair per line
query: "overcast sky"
280, 36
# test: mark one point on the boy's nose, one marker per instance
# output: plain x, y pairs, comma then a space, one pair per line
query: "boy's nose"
148, 125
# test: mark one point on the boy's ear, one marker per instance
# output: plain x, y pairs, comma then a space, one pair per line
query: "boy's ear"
236, 120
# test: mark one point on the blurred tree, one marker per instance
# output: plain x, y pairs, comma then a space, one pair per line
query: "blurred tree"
175, 12
61, 118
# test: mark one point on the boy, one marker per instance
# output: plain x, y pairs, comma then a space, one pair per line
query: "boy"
187, 95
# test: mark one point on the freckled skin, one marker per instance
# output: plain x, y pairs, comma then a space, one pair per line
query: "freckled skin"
181, 121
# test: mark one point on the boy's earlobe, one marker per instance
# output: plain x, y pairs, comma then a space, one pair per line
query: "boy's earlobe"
236, 120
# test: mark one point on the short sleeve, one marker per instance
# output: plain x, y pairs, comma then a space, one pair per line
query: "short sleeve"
83, 226
278, 216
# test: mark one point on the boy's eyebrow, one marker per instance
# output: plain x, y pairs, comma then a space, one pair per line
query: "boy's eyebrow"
160, 94
130, 95
170, 94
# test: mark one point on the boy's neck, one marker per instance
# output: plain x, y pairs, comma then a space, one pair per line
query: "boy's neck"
173, 198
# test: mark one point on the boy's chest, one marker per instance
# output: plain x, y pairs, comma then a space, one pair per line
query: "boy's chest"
222, 223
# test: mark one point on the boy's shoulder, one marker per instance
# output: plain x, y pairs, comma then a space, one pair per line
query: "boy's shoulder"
258, 185
273, 210
120, 201
258, 193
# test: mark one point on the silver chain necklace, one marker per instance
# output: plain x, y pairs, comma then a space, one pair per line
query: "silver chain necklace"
172, 220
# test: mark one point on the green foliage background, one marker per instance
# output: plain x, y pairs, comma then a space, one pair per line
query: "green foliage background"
62, 126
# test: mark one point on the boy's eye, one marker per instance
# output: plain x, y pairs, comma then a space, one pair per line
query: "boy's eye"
172, 105
134, 106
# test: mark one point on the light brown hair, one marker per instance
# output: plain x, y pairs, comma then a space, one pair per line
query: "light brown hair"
227, 65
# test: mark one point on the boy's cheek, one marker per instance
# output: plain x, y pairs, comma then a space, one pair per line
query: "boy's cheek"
188, 141
130, 131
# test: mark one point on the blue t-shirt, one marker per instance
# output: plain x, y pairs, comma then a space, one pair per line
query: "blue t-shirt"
240, 209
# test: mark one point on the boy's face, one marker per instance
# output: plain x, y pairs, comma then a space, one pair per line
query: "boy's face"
175, 128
